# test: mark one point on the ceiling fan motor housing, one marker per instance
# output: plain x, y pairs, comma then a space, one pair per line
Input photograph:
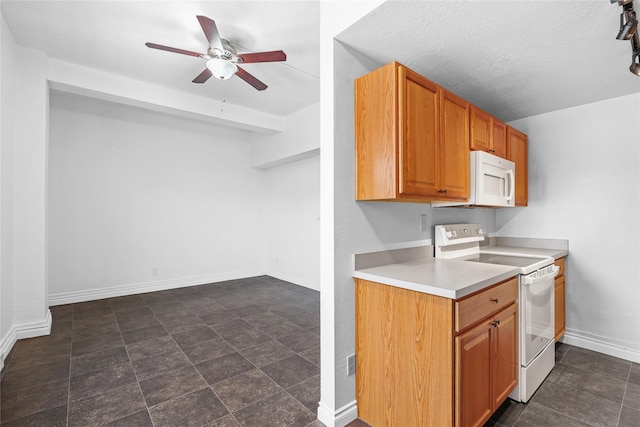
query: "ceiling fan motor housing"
229, 52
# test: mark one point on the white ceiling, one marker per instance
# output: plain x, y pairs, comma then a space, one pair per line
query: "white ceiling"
110, 36
512, 58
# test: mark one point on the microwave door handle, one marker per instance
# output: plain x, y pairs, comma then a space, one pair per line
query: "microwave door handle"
512, 184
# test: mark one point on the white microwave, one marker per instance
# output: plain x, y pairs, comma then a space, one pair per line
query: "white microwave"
492, 182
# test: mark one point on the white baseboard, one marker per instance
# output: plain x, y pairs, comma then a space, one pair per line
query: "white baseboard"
26, 330
583, 340
138, 288
338, 418
295, 280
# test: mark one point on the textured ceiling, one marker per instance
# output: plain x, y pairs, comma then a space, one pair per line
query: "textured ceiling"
110, 36
512, 58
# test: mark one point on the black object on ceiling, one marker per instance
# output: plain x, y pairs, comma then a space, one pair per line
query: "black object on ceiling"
629, 31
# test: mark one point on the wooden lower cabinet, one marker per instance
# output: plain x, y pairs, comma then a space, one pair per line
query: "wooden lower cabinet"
486, 367
560, 301
473, 376
415, 369
506, 361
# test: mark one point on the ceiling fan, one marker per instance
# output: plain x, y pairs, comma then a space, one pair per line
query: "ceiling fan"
221, 56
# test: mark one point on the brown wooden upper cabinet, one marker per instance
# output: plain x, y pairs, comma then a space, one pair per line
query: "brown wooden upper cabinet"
411, 138
487, 133
517, 153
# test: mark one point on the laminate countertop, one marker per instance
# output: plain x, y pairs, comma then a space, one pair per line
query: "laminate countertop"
436, 276
416, 269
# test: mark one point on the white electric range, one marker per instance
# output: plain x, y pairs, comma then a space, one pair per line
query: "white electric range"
535, 299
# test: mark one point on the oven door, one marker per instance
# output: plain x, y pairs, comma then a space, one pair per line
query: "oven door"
537, 323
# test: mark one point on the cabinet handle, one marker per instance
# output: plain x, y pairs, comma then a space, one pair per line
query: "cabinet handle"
494, 300
495, 323
492, 151
442, 191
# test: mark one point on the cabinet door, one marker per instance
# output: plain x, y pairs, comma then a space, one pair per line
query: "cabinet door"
418, 134
498, 138
473, 376
560, 304
517, 152
505, 360
375, 134
480, 122
454, 146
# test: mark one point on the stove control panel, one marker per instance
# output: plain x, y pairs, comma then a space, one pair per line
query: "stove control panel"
450, 235
461, 231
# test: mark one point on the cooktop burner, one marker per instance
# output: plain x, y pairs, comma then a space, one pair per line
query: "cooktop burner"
515, 261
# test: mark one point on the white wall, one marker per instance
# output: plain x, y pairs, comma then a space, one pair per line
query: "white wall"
293, 222
133, 190
6, 282
584, 185
23, 153
300, 140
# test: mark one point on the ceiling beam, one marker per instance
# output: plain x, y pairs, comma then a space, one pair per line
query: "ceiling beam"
67, 77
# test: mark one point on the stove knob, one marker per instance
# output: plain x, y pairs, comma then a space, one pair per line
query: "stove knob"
449, 234
480, 232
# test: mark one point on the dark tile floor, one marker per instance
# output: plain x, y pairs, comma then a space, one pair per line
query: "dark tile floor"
238, 353
584, 389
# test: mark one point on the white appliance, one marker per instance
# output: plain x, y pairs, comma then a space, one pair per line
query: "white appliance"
491, 182
535, 299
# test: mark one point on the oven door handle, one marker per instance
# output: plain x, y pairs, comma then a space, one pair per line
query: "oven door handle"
528, 280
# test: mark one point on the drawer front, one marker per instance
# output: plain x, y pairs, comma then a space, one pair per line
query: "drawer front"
478, 306
560, 263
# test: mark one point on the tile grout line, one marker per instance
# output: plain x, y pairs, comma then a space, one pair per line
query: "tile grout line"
132, 367
209, 386
73, 315
624, 395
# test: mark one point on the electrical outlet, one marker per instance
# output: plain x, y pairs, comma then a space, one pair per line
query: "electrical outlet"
351, 364
424, 224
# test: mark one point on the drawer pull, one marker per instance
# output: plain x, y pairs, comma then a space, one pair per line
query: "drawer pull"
494, 300
495, 323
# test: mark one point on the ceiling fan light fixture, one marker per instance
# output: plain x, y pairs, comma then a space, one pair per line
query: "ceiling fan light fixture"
221, 68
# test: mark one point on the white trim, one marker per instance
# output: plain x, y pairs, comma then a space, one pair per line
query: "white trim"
7, 344
340, 417
578, 339
138, 288
27, 330
295, 280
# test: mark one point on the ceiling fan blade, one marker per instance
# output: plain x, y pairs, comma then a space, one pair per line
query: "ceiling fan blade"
203, 76
211, 32
173, 49
249, 78
274, 55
